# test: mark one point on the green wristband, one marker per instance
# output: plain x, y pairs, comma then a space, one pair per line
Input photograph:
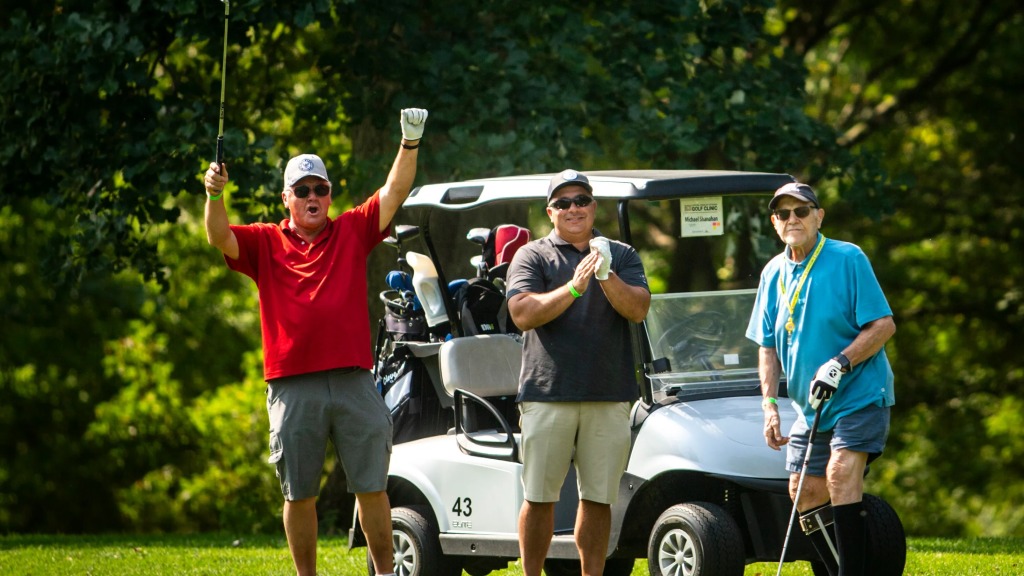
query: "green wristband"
215, 198
572, 289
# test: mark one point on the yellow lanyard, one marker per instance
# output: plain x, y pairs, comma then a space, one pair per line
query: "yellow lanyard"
800, 284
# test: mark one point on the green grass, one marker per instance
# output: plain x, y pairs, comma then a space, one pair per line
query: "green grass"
213, 554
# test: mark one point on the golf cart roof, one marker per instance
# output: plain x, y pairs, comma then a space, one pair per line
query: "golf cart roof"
610, 184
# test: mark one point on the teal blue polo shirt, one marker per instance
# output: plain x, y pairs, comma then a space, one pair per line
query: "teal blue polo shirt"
839, 297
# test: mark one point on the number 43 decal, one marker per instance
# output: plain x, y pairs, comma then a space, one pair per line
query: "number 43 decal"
463, 507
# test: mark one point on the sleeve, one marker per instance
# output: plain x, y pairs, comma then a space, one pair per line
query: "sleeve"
628, 266
761, 328
248, 237
870, 301
365, 218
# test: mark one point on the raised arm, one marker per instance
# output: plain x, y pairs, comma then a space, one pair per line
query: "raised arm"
403, 171
218, 229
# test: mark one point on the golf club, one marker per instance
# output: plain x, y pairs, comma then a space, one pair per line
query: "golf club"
800, 485
223, 81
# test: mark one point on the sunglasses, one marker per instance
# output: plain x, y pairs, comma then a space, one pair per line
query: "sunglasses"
563, 203
321, 190
801, 212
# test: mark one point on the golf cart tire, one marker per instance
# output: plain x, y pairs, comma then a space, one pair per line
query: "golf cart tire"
417, 549
612, 567
886, 542
695, 539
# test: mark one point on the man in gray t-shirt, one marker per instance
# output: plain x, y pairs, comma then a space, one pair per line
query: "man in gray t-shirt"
577, 380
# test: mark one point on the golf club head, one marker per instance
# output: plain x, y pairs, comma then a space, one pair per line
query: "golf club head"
478, 235
406, 232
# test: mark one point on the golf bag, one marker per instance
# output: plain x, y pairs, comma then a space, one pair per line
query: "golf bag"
481, 308
480, 302
402, 362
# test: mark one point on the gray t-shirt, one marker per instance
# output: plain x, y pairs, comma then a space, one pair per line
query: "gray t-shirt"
584, 355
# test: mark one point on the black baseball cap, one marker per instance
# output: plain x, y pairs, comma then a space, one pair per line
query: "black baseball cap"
568, 178
796, 190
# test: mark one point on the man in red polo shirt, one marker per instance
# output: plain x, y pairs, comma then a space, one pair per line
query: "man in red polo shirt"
311, 274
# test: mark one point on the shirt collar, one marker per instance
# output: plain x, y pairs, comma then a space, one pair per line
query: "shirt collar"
558, 241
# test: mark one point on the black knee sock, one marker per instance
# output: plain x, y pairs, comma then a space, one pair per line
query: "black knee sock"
851, 534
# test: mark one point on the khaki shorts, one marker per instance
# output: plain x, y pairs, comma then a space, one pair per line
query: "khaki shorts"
599, 433
341, 405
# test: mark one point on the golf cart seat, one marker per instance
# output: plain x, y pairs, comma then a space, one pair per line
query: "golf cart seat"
481, 373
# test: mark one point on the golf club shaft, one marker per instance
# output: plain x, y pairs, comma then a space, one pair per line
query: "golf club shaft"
223, 82
800, 486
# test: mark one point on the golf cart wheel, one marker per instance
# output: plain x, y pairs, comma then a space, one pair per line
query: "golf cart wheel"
417, 549
612, 567
695, 539
886, 543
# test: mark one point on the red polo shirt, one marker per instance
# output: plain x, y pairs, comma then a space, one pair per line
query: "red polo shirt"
312, 296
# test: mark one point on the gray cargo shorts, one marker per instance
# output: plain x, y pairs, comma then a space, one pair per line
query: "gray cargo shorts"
342, 405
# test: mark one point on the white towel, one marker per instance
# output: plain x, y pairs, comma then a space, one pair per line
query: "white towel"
604, 263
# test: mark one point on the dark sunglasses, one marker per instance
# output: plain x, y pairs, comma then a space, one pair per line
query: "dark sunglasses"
563, 203
321, 190
801, 212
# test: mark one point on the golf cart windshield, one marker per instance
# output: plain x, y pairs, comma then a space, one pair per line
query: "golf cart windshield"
699, 343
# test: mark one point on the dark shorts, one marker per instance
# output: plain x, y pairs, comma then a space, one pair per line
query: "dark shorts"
341, 405
863, 431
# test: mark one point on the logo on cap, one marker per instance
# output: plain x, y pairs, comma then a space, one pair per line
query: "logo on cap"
306, 165
570, 175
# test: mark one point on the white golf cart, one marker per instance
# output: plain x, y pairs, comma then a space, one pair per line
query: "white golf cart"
702, 494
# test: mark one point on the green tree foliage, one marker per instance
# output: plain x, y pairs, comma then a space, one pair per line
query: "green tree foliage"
130, 354
118, 102
931, 88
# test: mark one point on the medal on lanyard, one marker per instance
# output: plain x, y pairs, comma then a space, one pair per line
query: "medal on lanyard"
790, 326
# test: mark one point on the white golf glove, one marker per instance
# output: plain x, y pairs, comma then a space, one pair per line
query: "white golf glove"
604, 263
413, 120
825, 383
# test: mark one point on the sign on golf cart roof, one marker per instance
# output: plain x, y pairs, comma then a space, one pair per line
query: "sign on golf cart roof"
644, 185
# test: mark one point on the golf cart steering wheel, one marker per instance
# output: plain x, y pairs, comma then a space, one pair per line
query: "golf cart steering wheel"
693, 339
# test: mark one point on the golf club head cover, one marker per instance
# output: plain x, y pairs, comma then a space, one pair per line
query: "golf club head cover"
825, 383
604, 263
400, 281
413, 120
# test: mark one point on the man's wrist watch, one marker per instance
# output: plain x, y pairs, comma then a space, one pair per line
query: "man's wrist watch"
844, 362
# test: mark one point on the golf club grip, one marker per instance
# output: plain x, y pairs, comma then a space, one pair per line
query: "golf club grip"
220, 151
814, 427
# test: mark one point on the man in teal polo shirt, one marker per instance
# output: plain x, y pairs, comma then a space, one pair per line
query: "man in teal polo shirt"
822, 319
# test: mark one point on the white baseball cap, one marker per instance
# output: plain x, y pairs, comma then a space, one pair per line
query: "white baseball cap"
304, 165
